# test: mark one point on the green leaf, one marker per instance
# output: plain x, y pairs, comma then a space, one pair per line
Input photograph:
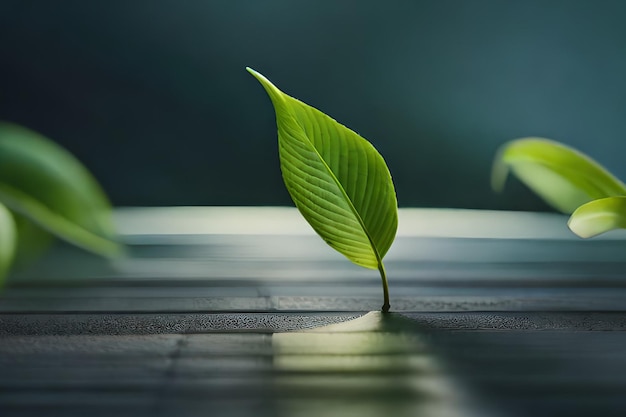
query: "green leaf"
337, 180
32, 240
45, 184
599, 216
55, 223
563, 177
7, 241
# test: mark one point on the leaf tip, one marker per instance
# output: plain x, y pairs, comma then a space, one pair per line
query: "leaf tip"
598, 216
260, 77
583, 229
275, 94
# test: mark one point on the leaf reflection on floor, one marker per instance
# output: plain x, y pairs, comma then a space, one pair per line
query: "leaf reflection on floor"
375, 365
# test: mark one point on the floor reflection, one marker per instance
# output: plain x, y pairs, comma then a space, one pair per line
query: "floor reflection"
376, 365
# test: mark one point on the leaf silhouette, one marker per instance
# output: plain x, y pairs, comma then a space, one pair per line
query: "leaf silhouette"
337, 180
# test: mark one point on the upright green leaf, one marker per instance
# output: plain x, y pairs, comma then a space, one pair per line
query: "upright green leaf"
560, 175
337, 180
599, 216
45, 184
7, 241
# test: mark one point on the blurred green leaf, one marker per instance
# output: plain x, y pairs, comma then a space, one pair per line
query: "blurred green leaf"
55, 223
32, 240
563, 177
7, 241
337, 180
45, 184
599, 216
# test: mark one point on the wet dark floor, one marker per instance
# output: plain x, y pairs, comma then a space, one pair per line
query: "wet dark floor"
267, 325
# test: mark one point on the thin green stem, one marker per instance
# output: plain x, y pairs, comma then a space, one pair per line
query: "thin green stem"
383, 276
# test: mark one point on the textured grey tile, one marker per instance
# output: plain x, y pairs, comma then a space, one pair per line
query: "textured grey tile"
146, 324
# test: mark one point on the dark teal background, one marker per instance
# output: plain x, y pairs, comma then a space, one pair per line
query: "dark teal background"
153, 97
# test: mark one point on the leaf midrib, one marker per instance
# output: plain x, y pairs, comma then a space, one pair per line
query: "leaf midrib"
342, 190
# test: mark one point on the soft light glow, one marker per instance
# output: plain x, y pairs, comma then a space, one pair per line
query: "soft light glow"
413, 222
375, 365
